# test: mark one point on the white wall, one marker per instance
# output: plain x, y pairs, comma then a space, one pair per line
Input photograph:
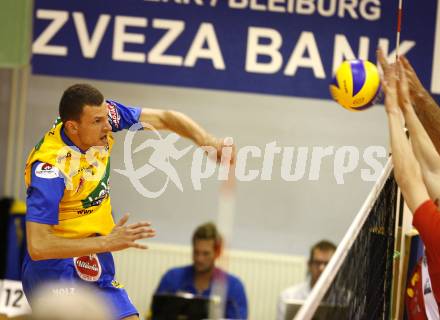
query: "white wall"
275, 216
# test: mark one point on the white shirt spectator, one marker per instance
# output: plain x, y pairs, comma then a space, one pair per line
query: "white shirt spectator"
297, 292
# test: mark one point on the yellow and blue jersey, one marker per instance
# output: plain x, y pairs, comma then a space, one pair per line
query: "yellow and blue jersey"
74, 198
70, 192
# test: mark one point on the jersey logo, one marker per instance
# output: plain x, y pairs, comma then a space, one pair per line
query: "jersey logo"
46, 171
88, 268
113, 115
101, 192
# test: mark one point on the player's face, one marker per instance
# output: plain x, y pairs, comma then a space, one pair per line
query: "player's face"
93, 127
318, 263
204, 255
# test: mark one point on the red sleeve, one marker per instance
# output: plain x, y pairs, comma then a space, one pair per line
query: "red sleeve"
427, 222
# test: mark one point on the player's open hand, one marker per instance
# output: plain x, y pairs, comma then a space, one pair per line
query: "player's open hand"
403, 89
416, 88
389, 84
124, 236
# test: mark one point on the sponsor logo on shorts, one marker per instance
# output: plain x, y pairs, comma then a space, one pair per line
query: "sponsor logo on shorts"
88, 268
113, 114
46, 171
63, 291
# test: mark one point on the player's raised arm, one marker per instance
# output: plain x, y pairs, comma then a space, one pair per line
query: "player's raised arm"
177, 122
427, 110
406, 168
424, 150
182, 125
123, 117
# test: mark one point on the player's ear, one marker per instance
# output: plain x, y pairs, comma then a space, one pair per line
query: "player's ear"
71, 126
218, 248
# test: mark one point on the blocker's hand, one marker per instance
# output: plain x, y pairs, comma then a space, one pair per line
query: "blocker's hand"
396, 86
416, 88
124, 236
389, 84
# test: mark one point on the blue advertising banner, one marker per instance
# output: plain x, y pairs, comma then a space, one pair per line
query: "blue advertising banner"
285, 47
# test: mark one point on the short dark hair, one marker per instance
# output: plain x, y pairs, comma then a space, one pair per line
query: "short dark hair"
323, 245
207, 231
75, 98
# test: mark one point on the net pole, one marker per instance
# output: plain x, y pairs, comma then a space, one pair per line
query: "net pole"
312, 302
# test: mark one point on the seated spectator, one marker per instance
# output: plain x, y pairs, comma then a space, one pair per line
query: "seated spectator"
320, 255
199, 277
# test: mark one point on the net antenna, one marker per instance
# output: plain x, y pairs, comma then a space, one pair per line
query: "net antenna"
328, 276
399, 26
225, 224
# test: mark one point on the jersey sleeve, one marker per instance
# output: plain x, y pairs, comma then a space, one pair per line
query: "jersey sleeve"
44, 194
427, 222
121, 117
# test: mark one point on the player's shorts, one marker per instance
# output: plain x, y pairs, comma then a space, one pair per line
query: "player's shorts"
97, 270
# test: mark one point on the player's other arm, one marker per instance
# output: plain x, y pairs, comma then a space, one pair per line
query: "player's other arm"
43, 244
424, 149
425, 106
406, 168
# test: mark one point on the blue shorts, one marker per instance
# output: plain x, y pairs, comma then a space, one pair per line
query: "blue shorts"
97, 270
